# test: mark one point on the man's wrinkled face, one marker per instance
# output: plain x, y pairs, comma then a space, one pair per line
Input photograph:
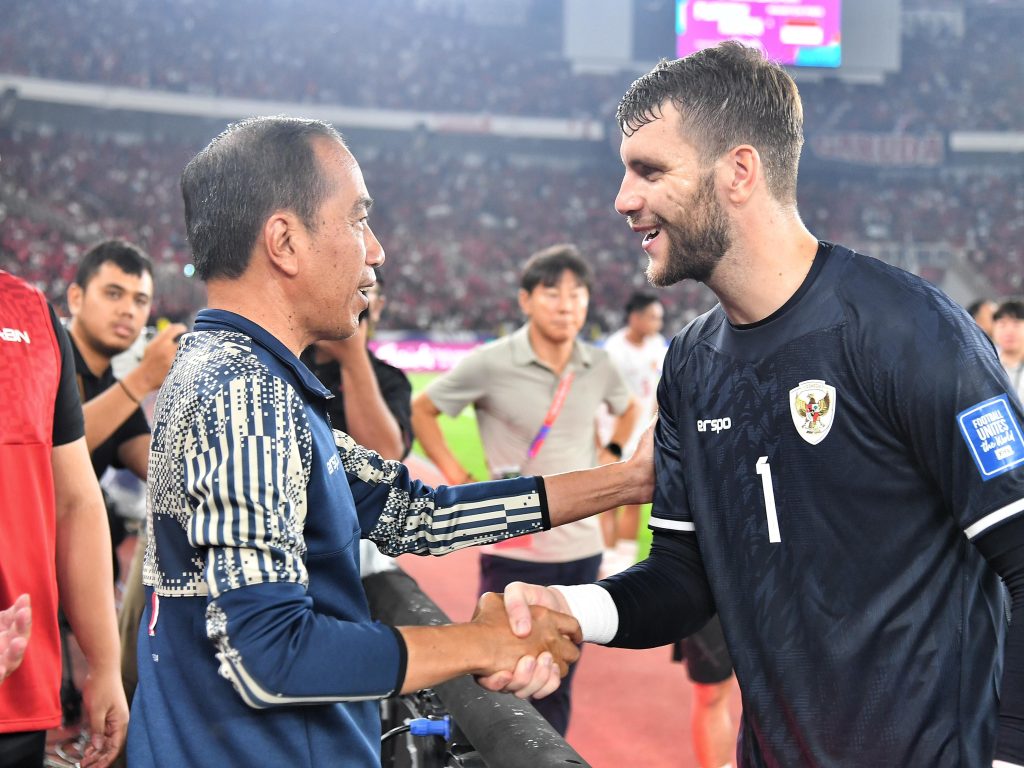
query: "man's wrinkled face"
342, 249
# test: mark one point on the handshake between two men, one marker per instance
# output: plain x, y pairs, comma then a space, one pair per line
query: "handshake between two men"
537, 617
486, 647
523, 641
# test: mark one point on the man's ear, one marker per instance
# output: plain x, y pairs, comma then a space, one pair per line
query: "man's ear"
524, 301
284, 238
741, 171
75, 294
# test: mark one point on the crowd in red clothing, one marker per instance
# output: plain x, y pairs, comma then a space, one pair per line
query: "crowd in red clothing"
457, 223
456, 226
505, 58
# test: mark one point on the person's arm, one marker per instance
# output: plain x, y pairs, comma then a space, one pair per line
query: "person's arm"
15, 631
396, 389
1003, 547
403, 515
273, 644
83, 563
85, 581
106, 412
367, 416
134, 455
574, 495
428, 432
623, 430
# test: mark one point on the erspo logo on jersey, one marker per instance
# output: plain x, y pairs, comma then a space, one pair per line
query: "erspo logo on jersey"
812, 404
993, 436
714, 425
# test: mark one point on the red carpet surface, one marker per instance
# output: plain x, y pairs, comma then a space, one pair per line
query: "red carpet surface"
630, 708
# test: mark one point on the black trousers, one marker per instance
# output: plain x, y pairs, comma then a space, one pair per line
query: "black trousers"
22, 750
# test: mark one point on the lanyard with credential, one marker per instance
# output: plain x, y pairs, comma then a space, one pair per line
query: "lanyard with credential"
549, 421
553, 410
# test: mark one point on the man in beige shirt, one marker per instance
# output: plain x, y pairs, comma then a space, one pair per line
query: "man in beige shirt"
536, 393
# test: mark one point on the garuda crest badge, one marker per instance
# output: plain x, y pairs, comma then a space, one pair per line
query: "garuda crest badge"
812, 404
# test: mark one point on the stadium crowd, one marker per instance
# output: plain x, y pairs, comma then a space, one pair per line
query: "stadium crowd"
454, 223
961, 76
952, 77
452, 220
451, 223
224, 49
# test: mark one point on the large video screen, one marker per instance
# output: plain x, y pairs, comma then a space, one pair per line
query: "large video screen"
802, 33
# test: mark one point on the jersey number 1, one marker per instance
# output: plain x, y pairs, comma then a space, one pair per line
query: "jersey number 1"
765, 471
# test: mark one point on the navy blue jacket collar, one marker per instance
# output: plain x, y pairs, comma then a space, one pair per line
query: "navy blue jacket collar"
223, 320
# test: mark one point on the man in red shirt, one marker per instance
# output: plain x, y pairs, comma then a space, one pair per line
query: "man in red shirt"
53, 537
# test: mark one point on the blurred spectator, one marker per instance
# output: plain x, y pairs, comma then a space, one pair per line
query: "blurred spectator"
372, 399
110, 302
1008, 334
982, 310
637, 351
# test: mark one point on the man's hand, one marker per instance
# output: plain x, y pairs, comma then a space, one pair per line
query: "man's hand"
531, 663
530, 676
462, 478
107, 711
15, 630
157, 358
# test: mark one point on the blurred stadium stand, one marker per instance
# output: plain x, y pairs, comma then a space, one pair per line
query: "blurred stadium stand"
481, 141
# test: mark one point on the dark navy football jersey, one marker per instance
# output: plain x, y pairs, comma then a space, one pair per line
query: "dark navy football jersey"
834, 461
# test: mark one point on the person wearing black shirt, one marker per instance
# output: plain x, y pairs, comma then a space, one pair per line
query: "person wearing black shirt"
110, 303
839, 456
372, 399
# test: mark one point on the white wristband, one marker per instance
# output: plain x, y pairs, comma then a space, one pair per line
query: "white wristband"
1004, 764
594, 609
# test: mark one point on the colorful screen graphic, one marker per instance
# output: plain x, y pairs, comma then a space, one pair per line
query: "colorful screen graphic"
802, 33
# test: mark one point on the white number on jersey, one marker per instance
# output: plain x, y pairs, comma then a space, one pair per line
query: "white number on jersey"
765, 471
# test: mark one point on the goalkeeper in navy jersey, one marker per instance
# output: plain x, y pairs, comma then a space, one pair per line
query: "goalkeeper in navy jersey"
839, 456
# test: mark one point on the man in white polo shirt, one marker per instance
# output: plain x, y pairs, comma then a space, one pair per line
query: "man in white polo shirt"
637, 350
